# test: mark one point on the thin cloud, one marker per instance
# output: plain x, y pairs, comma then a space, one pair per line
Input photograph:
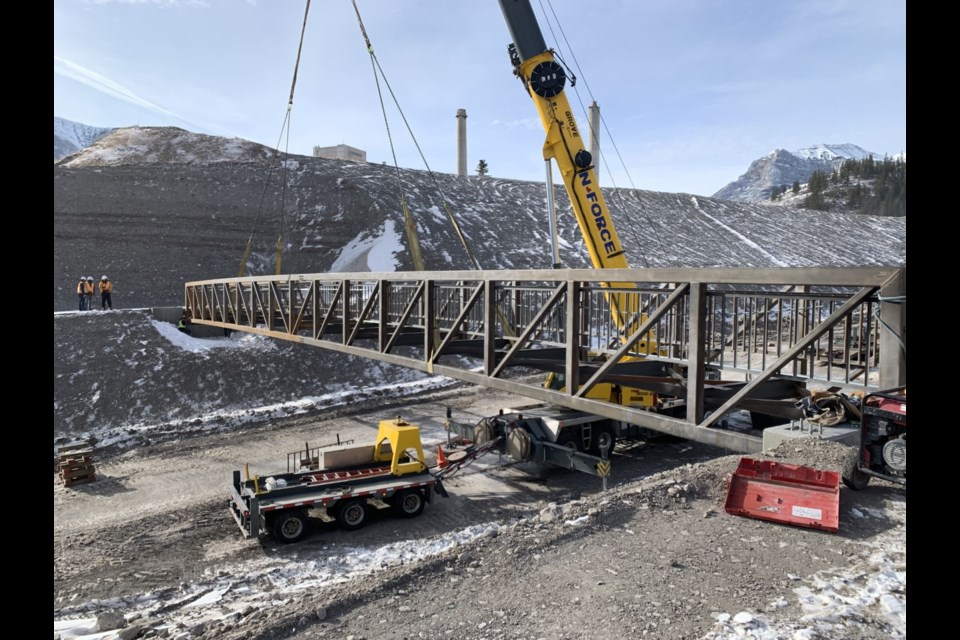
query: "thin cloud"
526, 123
159, 3
94, 80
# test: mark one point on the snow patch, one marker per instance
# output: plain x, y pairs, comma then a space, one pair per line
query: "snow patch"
379, 250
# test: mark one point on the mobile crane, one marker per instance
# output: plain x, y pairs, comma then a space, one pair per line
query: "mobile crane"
344, 481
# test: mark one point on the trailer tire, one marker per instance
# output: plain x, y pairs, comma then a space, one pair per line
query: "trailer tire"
353, 514
606, 436
570, 439
289, 526
408, 503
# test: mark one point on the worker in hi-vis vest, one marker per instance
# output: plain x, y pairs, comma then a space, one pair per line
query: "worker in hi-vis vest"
88, 291
106, 288
82, 293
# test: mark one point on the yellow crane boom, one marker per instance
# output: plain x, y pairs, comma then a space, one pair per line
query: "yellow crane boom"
545, 79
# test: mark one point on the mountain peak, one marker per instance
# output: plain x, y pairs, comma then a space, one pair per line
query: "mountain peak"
783, 167
70, 137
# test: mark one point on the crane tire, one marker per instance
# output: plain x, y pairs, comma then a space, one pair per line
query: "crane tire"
570, 438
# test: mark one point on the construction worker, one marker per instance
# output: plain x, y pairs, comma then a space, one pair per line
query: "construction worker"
82, 293
106, 288
182, 325
88, 293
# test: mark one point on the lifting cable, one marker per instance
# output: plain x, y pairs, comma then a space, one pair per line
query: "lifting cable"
408, 217
283, 192
593, 134
409, 223
433, 177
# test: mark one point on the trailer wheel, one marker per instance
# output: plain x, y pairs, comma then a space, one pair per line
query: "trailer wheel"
606, 437
353, 514
570, 439
408, 503
290, 526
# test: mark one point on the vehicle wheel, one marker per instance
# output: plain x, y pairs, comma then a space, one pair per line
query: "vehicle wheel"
353, 514
604, 437
289, 526
408, 503
570, 439
852, 476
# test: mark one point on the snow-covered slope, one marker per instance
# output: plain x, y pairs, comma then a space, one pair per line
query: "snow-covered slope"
782, 167
151, 226
69, 136
137, 378
831, 152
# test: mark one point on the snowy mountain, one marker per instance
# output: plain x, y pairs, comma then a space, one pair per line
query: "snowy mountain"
69, 136
782, 167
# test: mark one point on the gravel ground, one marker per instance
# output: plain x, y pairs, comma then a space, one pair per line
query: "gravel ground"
524, 555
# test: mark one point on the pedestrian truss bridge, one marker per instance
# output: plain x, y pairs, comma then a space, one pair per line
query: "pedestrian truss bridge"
718, 340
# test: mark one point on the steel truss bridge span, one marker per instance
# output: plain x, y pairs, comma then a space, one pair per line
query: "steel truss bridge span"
766, 331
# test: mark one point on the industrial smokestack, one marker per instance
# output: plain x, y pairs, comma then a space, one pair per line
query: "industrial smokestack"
594, 119
461, 142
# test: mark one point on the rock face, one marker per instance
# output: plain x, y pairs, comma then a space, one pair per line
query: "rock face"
782, 167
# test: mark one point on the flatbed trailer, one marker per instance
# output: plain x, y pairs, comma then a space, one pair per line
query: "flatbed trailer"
280, 510
341, 480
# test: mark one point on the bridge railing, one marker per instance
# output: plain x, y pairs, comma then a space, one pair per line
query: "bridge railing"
762, 332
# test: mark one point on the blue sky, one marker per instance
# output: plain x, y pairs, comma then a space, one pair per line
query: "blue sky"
691, 91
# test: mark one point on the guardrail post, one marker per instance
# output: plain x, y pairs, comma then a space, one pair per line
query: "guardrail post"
429, 320
696, 355
572, 370
893, 331
489, 327
345, 301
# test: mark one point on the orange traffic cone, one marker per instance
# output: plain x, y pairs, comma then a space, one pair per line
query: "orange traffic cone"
442, 461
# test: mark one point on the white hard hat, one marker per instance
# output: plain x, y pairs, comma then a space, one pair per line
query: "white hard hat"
103, 277
89, 277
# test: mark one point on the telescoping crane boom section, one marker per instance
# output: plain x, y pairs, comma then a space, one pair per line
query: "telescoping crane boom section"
545, 80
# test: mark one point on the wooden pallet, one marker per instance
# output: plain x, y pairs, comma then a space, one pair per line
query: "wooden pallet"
75, 464
69, 482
